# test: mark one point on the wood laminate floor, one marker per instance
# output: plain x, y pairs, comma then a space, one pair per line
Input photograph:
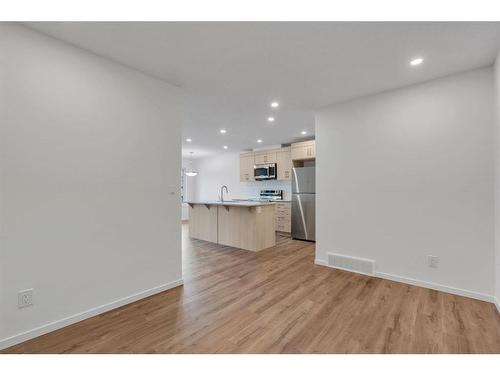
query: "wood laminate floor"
278, 301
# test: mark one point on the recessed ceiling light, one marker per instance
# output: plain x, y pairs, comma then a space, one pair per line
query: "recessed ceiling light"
275, 105
223, 131
416, 61
303, 132
188, 139
225, 147
270, 119
259, 140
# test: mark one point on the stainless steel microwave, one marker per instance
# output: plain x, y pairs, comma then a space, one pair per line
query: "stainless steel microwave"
264, 171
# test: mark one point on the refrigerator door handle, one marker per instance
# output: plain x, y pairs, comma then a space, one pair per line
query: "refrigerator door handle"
302, 216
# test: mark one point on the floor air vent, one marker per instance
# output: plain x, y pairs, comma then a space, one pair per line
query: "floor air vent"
359, 265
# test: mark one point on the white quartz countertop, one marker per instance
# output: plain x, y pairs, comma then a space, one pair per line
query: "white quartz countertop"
240, 203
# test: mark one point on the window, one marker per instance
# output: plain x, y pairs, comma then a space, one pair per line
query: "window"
183, 184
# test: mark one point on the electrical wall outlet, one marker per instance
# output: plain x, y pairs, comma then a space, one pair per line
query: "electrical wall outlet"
25, 298
432, 261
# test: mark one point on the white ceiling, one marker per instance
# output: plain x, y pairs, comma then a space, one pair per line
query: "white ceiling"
230, 72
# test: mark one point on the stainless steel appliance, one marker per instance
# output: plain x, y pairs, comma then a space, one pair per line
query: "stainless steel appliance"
304, 203
271, 195
264, 171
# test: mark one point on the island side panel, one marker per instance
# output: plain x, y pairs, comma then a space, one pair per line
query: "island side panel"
265, 227
203, 222
249, 228
237, 227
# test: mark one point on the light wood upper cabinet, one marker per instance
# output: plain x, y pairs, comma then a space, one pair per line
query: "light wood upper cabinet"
304, 150
265, 157
246, 167
284, 164
281, 156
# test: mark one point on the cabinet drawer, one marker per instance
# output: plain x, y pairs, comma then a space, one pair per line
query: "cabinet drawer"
283, 215
282, 218
283, 227
283, 205
285, 209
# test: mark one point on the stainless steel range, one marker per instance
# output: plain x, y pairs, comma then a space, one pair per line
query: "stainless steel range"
271, 195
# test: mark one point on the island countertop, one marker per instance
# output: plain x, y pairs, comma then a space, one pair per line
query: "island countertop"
239, 203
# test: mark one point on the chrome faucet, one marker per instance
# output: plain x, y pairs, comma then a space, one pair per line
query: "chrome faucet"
222, 192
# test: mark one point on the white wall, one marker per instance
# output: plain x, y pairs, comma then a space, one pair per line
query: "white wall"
189, 189
409, 173
224, 169
87, 153
497, 182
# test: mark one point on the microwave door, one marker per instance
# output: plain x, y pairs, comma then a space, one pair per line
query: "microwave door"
261, 173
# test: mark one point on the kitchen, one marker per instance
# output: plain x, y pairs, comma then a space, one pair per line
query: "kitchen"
391, 249
245, 199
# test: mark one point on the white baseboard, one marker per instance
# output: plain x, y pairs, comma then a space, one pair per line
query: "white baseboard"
320, 262
426, 284
497, 304
435, 286
46, 328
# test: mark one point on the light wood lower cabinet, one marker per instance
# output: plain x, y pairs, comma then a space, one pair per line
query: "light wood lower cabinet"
283, 218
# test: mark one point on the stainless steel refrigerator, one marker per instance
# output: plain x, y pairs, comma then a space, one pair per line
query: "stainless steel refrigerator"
304, 203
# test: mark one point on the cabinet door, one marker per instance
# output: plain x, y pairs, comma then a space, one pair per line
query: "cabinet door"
246, 167
260, 158
265, 157
284, 164
311, 151
270, 157
299, 152
304, 150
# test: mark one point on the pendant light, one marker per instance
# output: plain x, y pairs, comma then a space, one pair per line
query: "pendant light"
190, 171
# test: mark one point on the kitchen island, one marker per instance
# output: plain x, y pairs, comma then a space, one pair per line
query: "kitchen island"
246, 225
